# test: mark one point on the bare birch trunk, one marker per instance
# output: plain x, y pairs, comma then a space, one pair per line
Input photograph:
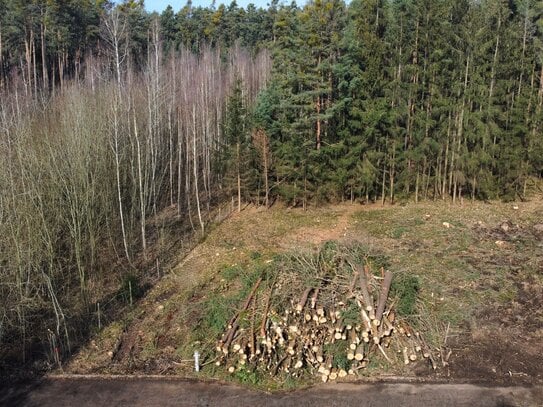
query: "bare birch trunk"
195, 168
116, 154
43, 29
140, 187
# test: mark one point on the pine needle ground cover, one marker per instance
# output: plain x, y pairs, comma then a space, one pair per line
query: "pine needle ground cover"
466, 279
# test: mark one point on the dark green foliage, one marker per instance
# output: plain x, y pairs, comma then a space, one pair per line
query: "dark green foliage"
339, 351
352, 314
374, 100
405, 288
247, 376
422, 99
237, 157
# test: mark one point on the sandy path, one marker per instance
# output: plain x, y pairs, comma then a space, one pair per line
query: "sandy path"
316, 235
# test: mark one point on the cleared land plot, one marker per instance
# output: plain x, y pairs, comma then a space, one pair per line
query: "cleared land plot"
479, 269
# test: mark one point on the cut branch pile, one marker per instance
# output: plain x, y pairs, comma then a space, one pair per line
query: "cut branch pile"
332, 328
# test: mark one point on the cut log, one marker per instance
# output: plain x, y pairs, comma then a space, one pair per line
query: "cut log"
384, 353
293, 329
353, 283
265, 315
252, 333
243, 347
363, 283
391, 316
355, 340
359, 353
314, 298
278, 365
367, 321
383, 296
235, 325
320, 357
301, 304
329, 361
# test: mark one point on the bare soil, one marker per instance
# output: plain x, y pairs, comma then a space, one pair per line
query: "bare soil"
505, 342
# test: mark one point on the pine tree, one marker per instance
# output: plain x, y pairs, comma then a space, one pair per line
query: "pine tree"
238, 155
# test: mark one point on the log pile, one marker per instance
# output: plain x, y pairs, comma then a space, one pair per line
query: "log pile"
331, 329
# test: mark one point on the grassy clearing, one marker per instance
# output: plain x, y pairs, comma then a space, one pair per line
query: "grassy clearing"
445, 279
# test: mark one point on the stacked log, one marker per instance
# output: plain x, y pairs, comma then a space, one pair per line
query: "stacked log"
332, 330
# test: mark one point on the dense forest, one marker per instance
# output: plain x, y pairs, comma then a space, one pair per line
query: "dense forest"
110, 114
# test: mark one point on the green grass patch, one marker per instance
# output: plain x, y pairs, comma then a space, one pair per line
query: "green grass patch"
230, 273
405, 289
338, 350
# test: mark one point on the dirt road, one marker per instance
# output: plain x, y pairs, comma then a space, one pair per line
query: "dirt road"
148, 392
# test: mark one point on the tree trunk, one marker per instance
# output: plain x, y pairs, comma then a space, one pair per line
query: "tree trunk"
383, 186
34, 70
427, 176
195, 168
445, 165
392, 167
43, 29
318, 139
28, 58
1, 60
61, 71
141, 190
493, 82
238, 159
417, 186
266, 185
116, 153
524, 39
